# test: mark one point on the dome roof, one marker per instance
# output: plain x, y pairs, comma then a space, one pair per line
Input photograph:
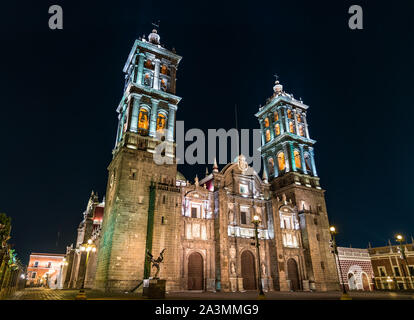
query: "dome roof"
154, 37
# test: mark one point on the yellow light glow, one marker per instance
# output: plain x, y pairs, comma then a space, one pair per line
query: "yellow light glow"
399, 237
90, 241
82, 248
332, 229
88, 249
93, 249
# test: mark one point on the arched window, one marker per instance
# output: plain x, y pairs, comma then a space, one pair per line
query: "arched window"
276, 117
298, 163
163, 84
277, 129
291, 129
298, 117
271, 166
266, 122
161, 122
143, 121
148, 64
164, 69
267, 135
281, 161
148, 79
308, 162
289, 114
301, 131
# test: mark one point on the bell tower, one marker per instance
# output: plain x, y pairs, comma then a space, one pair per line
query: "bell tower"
132, 221
289, 162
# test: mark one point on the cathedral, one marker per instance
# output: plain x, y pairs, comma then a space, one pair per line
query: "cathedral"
205, 227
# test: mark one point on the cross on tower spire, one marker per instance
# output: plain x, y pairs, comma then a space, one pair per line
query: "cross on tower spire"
156, 24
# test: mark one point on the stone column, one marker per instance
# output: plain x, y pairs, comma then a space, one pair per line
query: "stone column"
171, 122
134, 69
156, 84
173, 74
302, 159
296, 123
262, 129
286, 119
276, 165
140, 68
282, 129
118, 131
122, 122
154, 115
292, 156
135, 113
285, 151
306, 126
129, 112
312, 156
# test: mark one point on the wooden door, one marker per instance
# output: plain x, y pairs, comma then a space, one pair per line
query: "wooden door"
195, 271
248, 270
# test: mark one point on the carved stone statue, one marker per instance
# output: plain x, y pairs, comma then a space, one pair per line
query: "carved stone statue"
156, 262
233, 268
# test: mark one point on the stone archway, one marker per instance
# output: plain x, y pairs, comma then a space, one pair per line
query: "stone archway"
195, 272
352, 282
365, 282
293, 274
248, 270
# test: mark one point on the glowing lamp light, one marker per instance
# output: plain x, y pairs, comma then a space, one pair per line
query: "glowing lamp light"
90, 241
332, 229
82, 248
93, 249
256, 218
88, 249
399, 237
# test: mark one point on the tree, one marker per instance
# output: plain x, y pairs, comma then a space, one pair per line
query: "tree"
5, 227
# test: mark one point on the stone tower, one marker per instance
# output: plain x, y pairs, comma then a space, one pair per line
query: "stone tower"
298, 201
141, 196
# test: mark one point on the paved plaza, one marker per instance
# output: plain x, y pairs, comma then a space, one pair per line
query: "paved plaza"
49, 294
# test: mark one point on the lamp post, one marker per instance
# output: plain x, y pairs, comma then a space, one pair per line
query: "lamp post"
400, 239
345, 295
256, 221
88, 247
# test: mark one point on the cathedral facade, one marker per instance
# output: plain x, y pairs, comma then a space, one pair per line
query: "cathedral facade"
206, 226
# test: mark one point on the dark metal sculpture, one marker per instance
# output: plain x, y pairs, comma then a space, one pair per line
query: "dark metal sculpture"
156, 262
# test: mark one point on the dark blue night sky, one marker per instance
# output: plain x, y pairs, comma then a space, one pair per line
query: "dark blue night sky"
60, 89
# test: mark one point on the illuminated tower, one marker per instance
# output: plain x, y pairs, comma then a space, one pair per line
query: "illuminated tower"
137, 207
288, 156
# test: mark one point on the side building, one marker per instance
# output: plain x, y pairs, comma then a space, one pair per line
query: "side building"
45, 269
355, 266
391, 270
75, 270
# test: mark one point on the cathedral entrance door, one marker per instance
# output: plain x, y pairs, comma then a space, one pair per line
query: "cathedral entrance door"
195, 271
293, 274
248, 271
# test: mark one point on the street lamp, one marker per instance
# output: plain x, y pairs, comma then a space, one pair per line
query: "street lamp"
88, 247
256, 221
399, 239
333, 232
